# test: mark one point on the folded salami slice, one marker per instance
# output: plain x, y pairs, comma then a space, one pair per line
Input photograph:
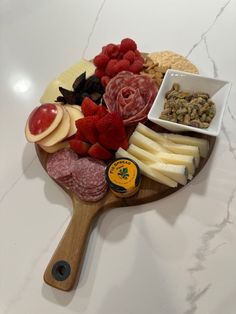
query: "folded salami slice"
131, 95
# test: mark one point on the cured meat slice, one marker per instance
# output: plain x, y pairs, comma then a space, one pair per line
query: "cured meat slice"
60, 166
89, 179
131, 95
85, 176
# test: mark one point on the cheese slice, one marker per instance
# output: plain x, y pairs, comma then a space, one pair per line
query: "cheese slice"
168, 144
66, 80
202, 143
146, 170
178, 173
168, 158
178, 159
146, 143
56, 147
59, 133
74, 114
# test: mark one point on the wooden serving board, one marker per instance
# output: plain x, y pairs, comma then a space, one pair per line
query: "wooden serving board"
66, 263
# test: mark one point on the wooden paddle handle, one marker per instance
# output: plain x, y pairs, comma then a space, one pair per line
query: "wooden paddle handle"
66, 262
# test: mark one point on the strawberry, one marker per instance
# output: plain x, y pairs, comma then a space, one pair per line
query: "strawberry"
101, 112
79, 136
125, 144
98, 151
88, 107
111, 131
87, 127
80, 147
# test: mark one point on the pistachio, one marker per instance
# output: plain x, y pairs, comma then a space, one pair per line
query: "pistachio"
195, 109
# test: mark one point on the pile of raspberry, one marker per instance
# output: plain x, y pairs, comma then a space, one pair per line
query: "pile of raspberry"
116, 58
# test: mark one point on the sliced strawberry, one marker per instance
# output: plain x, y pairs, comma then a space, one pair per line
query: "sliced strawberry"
89, 108
109, 141
125, 144
87, 128
101, 112
80, 147
79, 136
99, 152
111, 123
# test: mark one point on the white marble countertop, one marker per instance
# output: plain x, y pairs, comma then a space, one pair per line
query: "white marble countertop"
173, 256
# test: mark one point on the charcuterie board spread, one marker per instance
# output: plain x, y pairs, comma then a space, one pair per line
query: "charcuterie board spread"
93, 137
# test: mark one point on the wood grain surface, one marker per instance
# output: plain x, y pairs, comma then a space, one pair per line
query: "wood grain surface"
66, 263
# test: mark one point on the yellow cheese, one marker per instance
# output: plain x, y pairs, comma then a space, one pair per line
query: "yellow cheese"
66, 80
146, 170
59, 133
74, 114
56, 147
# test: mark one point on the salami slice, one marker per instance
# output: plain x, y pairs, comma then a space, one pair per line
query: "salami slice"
131, 95
60, 166
89, 179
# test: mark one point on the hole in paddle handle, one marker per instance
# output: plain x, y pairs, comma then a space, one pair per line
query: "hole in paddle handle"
61, 270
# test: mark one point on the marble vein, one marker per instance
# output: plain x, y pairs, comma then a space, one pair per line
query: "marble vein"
208, 29
193, 296
231, 114
17, 180
93, 27
17, 297
231, 148
203, 251
215, 69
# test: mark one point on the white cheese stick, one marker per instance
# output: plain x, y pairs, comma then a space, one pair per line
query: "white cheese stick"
178, 159
179, 173
153, 147
202, 143
146, 143
145, 170
168, 158
168, 144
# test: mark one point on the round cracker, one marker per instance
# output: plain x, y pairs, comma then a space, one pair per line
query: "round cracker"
173, 60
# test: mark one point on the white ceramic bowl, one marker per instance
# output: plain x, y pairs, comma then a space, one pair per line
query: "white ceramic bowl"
217, 89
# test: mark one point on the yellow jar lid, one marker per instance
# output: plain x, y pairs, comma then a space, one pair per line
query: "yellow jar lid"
123, 177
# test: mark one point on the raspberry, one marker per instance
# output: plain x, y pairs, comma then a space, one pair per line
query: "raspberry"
137, 53
127, 44
110, 68
105, 80
112, 50
130, 56
140, 58
136, 66
100, 61
99, 73
122, 65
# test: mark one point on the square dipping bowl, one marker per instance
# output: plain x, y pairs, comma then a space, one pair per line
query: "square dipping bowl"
217, 89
